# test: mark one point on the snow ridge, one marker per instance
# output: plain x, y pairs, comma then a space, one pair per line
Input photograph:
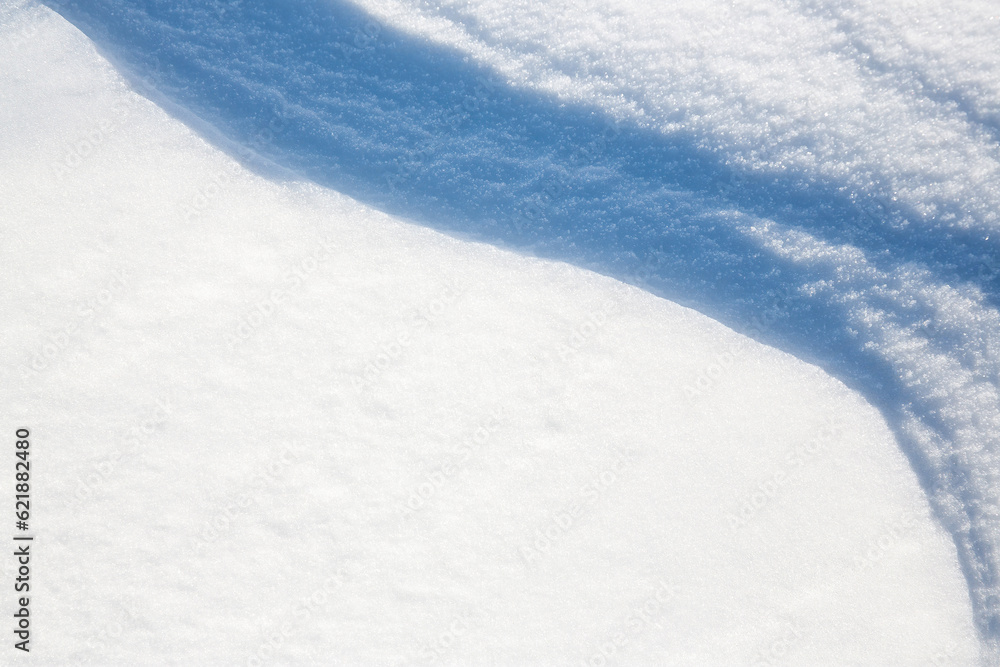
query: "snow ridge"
895, 297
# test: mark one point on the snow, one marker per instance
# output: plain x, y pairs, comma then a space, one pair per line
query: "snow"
324, 314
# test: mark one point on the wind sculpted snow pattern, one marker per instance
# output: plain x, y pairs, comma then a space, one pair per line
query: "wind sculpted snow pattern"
822, 177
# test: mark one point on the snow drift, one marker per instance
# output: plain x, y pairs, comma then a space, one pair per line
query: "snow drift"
831, 191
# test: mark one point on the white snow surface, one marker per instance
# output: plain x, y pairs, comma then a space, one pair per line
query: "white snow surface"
275, 424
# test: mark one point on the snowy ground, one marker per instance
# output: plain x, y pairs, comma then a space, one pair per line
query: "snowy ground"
703, 369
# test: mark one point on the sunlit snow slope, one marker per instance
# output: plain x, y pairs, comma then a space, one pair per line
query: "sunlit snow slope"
279, 426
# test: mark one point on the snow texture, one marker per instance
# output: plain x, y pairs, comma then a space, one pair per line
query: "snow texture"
823, 177
780, 158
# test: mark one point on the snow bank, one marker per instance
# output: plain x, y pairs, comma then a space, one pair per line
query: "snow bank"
268, 403
806, 158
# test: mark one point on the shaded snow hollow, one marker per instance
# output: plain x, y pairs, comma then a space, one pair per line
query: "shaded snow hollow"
819, 180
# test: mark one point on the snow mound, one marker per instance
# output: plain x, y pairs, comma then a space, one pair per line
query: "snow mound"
809, 159
349, 436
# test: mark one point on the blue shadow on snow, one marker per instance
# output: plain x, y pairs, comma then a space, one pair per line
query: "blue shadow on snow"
421, 131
